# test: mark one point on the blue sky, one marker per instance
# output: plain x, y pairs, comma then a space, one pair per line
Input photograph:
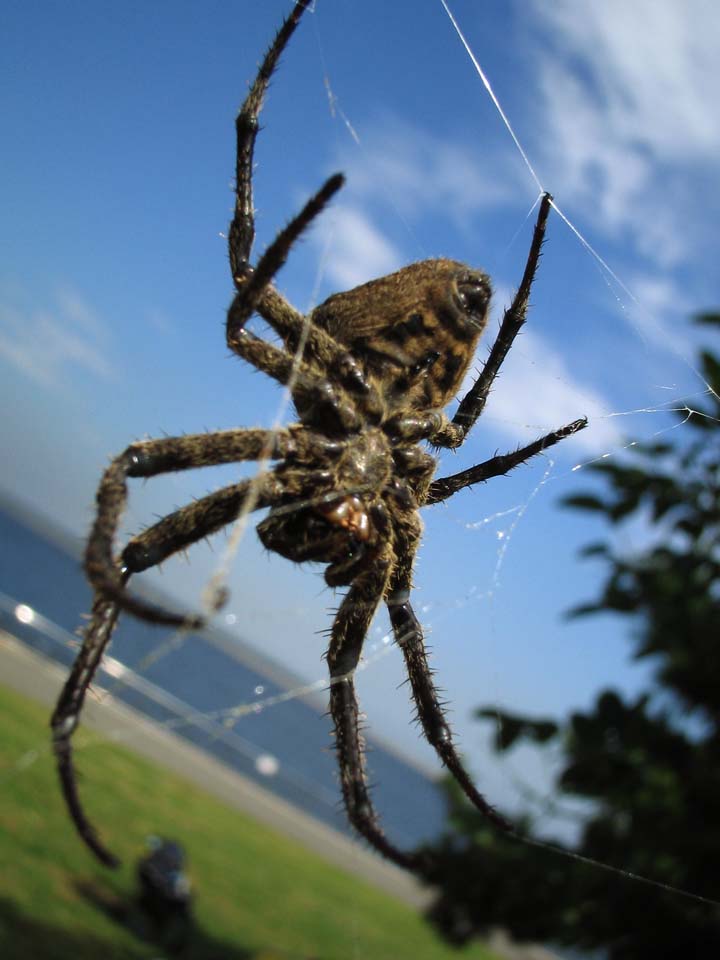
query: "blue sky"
118, 158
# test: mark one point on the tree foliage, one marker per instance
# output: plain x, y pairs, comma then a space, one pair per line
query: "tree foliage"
647, 769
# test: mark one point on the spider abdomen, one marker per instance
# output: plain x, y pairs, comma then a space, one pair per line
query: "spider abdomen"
414, 330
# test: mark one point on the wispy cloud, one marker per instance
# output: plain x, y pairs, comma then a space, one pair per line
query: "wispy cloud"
161, 321
414, 176
630, 127
536, 393
419, 174
51, 345
660, 312
654, 68
356, 251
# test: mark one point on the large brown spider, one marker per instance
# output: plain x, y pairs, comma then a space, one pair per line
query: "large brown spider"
377, 366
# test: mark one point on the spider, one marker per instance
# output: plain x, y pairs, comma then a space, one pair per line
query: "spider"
369, 371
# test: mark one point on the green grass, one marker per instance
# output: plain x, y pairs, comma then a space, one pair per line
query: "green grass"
259, 896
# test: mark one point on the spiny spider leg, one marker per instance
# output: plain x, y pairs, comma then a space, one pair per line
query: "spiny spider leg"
201, 518
271, 305
321, 352
251, 281
499, 465
242, 228
148, 459
473, 403
347, 637
408, 635
175, 532
66, 715
310, 390
195, 521
309, 386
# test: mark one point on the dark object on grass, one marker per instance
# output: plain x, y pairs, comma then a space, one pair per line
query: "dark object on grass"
165, 897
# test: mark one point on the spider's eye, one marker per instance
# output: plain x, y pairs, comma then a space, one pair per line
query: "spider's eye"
473, 296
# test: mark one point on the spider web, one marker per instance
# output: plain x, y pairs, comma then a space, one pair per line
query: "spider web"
628, 298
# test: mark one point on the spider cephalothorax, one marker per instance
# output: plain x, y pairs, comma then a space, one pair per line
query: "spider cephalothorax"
370, 371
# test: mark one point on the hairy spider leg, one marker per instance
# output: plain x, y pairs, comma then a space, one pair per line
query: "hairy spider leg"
66, 715
390, 577
310, 390
348, 633
499, 465
473, 403
322, 354
288, 322
408, 635
320, 351
242, 228
310, 386
174, 532
202, 518
150, 458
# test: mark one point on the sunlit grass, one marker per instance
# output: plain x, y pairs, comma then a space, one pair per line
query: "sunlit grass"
259, 895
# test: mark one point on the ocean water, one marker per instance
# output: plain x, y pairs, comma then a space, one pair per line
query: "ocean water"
285, 746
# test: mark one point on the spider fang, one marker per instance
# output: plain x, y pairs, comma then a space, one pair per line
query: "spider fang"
349, 513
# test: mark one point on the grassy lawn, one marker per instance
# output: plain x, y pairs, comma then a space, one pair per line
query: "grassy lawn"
259, 896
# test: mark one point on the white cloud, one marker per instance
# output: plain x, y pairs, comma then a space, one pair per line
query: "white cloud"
51, 346
421, 174
631, 128
356, 251
161, 322
654, 67
660, 314
535, 393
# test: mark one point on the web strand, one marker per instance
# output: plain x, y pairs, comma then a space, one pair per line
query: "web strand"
491, 93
